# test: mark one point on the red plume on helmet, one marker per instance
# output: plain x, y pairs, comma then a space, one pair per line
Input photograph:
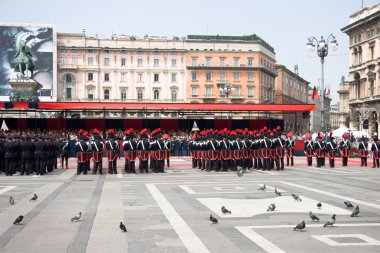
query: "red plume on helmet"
278, 128
111, 131
290, 134
308, 136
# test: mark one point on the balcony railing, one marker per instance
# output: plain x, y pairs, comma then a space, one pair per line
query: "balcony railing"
68, 66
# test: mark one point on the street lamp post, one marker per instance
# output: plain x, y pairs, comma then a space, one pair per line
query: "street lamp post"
226, 89
322, 52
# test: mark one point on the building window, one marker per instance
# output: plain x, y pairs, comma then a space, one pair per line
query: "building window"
140, 95
236, 91
174, 78
251, 91
174, 95
123, 95
208, 91
123, 77
63, 60
73, 60
139, 62
156, 78
194, 91
140, 78
68, 78
174, 62
106, 94
194, 76
208, 62
90, 61
193, 62
372, 52
236, 62
250, 76
156, 62
106, 77
123, 61
156, 95
90, 76
90, 94
222, 76
250, 62
106, 61
236, 76
222, 62
208, 76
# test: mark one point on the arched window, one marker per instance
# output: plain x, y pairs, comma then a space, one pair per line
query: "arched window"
156, 95
106, 94
140, 95
68, 87
123, 95
174, 95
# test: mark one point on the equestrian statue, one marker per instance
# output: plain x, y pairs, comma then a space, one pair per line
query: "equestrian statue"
24, 59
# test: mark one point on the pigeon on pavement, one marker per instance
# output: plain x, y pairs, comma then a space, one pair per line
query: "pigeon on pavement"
300, 226
313, 216
35, 197
348, 204
18, 220
262, 188
225, 210
277, 192
356, 211
122, 227
77, 217
295, 197
11, 200
319, 205
213, 220
330, 222
271, 208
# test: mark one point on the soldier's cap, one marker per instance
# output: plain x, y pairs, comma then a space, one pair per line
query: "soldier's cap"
9, 137
16, 137
23, 137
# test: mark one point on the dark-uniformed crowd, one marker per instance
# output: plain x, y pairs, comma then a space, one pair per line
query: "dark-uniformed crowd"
28, 154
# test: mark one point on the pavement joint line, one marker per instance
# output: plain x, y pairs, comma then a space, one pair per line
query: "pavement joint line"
333, 195
80, 241
7, 188
185, 233
13, 230
322, 171
316, 225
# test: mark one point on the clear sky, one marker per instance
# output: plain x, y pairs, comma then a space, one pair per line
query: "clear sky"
284, 24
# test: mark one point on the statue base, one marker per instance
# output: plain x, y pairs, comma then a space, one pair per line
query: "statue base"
24, 89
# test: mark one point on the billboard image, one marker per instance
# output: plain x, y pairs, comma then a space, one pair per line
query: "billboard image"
41, 43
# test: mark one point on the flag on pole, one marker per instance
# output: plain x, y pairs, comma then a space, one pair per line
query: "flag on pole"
315, 94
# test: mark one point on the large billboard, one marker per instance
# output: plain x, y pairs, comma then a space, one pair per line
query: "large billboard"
41, 41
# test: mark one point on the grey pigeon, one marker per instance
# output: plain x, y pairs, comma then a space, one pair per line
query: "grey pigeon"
348, 204
262, 188
313, 216
225, 210
277, 192
295, 197
356, 211
300, 226
18, 220
319, 205
11, 200
35, 197
330, 222
213, 220
271, 208
77, 217
122, 227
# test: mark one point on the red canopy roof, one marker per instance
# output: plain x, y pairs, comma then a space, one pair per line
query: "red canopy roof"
171, 106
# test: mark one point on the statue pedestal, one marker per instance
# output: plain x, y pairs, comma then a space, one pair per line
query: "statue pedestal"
25, 89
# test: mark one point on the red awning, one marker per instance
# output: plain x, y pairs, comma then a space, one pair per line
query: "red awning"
171, 106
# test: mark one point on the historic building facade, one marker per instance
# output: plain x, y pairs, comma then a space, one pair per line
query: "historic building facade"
229, 69
334, 117
343, 108
364, 71
290, 88
120, 69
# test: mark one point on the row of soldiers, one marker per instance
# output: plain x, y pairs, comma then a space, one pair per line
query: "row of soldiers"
323, 147
223, 151
152, 153
28, 154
